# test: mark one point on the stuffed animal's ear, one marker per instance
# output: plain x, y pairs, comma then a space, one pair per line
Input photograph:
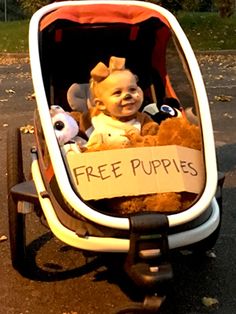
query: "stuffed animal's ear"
78, 97
55, 109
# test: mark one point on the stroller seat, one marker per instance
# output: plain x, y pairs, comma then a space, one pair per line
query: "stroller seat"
144, 31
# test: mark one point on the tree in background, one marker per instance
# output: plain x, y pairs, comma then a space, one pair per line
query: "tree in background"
10, 10
31, 6
197, 5
188, 5
226, 7
18, 9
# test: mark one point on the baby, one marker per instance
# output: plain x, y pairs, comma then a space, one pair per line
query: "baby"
117, 99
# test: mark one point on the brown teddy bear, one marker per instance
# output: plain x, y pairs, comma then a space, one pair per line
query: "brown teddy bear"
172, 131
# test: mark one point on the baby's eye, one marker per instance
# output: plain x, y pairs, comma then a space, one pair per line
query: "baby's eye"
117, 93
133, 89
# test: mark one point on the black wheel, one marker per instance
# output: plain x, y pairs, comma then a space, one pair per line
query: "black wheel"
15, 175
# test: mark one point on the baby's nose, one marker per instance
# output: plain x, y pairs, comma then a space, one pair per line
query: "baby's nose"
127, 96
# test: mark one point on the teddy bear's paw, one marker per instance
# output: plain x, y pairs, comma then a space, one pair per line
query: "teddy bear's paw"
126, 205
150, 128
134, 140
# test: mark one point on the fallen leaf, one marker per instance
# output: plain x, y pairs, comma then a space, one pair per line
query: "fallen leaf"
27, 129
30, 97
207, 301
219, 77
7, 60
227, 115
3, 238
223, 98
10, 91
211, 254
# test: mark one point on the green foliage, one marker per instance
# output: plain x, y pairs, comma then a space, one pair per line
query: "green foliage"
186, 5
206, 31
196, 5
225, 7
31, 6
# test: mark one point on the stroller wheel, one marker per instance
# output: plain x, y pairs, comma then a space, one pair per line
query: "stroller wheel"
16, 220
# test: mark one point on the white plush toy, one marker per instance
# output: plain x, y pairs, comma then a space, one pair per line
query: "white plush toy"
65, 126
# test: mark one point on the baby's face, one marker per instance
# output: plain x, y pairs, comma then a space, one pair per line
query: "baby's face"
119, 95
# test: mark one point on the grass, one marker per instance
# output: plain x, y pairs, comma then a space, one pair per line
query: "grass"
14, 36
206, 31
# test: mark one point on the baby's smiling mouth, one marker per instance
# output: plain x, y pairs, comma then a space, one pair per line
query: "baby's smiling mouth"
127, 104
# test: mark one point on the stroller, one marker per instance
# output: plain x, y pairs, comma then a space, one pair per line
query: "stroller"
66, 40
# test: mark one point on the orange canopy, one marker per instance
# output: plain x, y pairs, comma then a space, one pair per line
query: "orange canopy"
102, 13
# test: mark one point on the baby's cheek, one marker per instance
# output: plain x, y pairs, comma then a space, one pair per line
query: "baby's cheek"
138, 97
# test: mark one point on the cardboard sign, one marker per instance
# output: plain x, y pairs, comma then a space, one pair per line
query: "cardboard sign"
136, 171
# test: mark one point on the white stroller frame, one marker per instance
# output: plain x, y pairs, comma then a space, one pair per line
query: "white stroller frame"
146, 237
105, 244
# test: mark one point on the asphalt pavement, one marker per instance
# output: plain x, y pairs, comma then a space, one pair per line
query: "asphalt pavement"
61, 280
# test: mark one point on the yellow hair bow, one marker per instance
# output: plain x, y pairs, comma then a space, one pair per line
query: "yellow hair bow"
101, 71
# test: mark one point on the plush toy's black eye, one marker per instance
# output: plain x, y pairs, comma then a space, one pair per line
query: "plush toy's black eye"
168, 110
59, 125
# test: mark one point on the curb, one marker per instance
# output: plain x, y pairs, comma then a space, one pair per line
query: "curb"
217, 52
14, 54
210, 52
